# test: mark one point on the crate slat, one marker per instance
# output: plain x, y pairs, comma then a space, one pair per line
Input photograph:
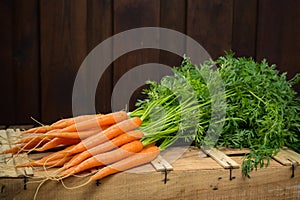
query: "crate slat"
160, 164
287, 157
221, 158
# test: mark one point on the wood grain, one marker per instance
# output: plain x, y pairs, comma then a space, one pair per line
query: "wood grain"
26, 61
225, 161
172, 16
19, 79
7, 106
63, 48
188, 180
278, 38
44, 42
244, 28
99, 28
129, 14
210, 23
287, 157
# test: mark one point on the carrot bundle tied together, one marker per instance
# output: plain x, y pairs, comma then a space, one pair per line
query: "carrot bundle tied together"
111, 141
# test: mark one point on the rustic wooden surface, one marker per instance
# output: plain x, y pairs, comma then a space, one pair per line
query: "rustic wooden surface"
287, 157
225, 161
194, 176
8, 138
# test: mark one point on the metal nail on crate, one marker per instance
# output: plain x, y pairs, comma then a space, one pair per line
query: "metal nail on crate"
221, 158
161, 165
288, 157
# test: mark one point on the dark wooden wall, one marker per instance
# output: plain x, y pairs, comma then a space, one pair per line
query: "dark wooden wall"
43, 43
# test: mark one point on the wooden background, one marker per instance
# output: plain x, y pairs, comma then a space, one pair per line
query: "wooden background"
43, 43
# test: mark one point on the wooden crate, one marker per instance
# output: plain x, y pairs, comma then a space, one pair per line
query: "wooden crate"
194, 176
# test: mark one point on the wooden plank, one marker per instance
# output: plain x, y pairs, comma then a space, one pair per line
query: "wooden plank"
188, 182
7, 105
278, 38
19, 79
182, 185
295, 156
221, 158
244, 28
172, 16
99, 28
63, 48
160, 164
287, 157
129, 14
234, 152
210, 23
26, 60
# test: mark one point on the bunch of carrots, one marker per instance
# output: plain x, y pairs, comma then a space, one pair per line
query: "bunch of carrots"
110, 142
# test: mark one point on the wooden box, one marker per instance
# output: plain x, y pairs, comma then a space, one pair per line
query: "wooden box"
194, 176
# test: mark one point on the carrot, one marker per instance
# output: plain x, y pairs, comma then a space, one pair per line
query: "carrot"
107, 157
13, 150
34, 137
56, 142
143, 157
53, 163
56, 155
104, 147
111, 132
69, 121
76, 135
32, 143
40, 129
99, 121
60, 124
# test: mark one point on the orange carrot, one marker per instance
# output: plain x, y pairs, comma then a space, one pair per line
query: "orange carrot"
40, 129
108, 157
60, 124
99, 121
111, 132
15, 149
56, 155
55, 142
69, 121
34, 137
26, 146
104, 147
76, 135
53, 163
143, 157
